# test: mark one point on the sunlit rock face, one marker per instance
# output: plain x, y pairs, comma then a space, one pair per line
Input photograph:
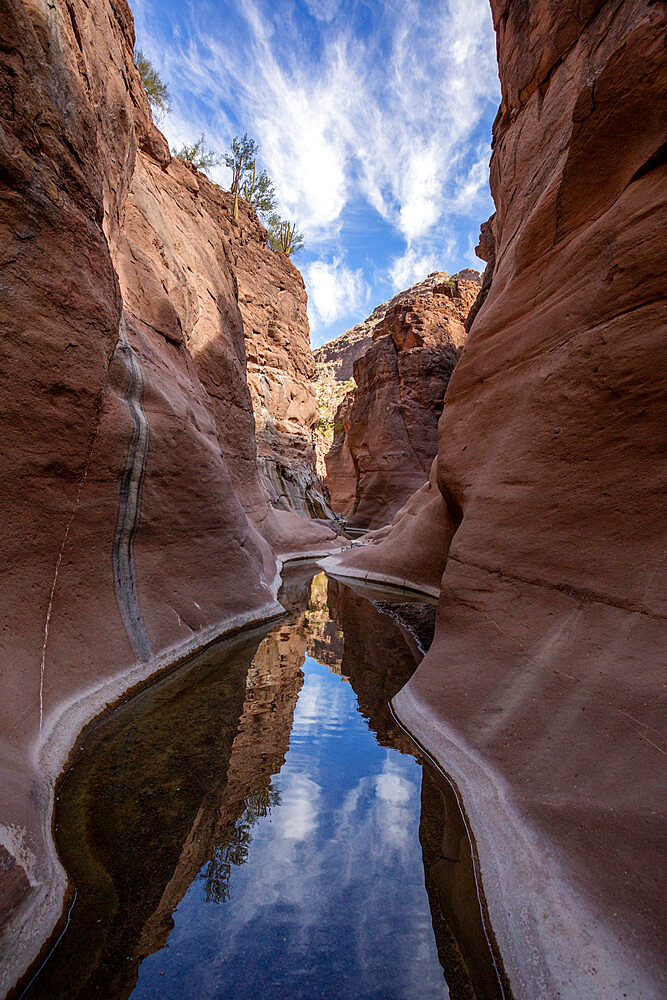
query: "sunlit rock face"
189, 269
136, 524
386, 429
336, 358
541, 691
281, 369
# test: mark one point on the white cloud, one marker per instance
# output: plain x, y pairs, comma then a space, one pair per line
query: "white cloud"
334, 290
472, 185
300, 805
323, 10
415, 264
385, 118
388, 118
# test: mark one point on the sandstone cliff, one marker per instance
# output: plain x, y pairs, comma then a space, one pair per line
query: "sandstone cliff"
180, 237
136, 526
281, 368
541, 524
386, 429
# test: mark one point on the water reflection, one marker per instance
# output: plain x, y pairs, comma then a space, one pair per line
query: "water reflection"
258, 825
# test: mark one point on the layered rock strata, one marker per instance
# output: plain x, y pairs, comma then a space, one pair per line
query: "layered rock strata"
136, 527
541, 693
386, 429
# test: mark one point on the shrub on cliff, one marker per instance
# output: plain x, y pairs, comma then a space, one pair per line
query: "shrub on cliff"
284, 236
242, 153
198, 154
260, 192
156, 89
257, 189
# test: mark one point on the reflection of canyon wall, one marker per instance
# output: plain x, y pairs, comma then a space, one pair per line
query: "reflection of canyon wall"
449, 876
128, 807
386, 429
378, 658
273, 683
540, 693
325, 637
136, 526
195, 750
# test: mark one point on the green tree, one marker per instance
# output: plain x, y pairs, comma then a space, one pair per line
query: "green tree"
284, 236
241, 159
260, 192
156, 89
198, 154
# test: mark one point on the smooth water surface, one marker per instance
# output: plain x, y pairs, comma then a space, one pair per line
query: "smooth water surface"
257, 826
326, 892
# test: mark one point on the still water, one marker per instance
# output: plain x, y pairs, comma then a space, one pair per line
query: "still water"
256, 825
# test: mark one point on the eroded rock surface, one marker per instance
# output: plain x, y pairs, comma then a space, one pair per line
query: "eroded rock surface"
386, 429
541, 692
336, 358
281, 368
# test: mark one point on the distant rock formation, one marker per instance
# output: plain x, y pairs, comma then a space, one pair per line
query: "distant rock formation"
543, 523
386, 429
336, 358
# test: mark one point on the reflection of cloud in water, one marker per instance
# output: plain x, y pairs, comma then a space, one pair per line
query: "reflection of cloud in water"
297, 817
320, 704
331, 902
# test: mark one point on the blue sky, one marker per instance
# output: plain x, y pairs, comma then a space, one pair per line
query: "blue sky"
373, 118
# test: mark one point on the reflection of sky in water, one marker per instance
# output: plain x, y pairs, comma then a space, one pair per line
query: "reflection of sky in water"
331, 902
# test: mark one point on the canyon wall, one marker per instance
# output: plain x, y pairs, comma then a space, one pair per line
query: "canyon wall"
386, 429
136, 525
281, 368
542, 523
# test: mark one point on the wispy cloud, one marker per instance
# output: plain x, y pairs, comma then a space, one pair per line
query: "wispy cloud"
388, 115
413, 265
334, 291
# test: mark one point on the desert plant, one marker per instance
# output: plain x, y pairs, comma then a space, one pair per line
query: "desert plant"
284, 236
260, 192
156, 90
198, 154
257, 189
242, 155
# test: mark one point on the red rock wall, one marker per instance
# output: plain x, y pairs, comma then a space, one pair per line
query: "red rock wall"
386, 429
136, 526
281, 368
541, 692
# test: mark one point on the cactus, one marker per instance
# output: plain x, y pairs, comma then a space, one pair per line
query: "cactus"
249, 188
284, 237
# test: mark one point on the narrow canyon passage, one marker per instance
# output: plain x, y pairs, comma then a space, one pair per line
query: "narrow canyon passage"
256, 824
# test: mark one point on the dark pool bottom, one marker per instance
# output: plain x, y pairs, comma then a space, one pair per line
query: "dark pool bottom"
256, 825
